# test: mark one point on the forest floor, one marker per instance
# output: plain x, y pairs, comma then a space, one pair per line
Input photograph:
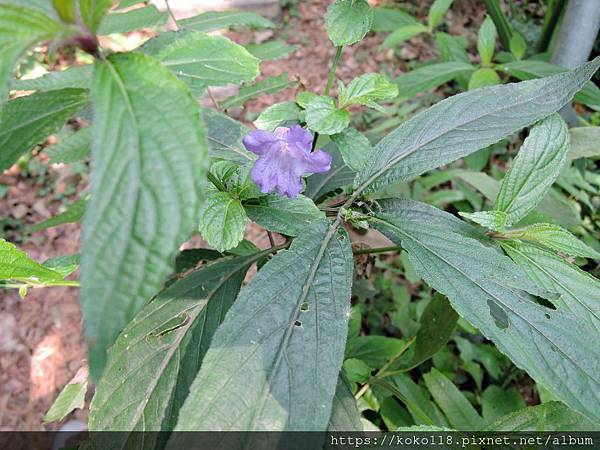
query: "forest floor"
41, 338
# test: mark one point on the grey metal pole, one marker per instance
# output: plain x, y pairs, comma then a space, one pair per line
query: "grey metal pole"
575, 41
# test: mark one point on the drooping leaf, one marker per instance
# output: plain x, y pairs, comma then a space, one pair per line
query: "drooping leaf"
155, 359
344, 413
354, 147
348, 21
339, 176
429, 77
27, 121
72, 397
483, 77
465, 123
65, 264
93, 12
270, 50
224, 136
72, 214
285, 364
73, 77
579, 291
73, 148
454, 405
374, 351
20, 28
324, 117
534, 170
218, 20
437, 11
222, 221
17, 266
270, 85
149, 155
585, 142
551, 416
282, 114
402, 34
486, 40
366, 90
284, 215
201, 60
390, 19
491, 292
134, 19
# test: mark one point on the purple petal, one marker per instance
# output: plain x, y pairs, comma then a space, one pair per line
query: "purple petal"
259, 141
317, 162
301, 137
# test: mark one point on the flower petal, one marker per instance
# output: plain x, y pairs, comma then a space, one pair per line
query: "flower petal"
317, 162
301, 137
259, 141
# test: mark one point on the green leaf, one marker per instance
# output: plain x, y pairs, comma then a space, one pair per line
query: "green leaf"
284, 215
437, 324
452, 48
455, 406
65, 10
483, 77
303, 98
551, 416
390, 19
448, 131
218, 20
375, 351
201, 60
348, 21
282, 114
72, 397
270, 85
354, 147
222, 221
324, 117
486, 40
356, 370
578, 290
20, 28
585, 142
366, 90
73, 77
271, 50
93, 12
27, 121
492, 220
149, 156
531, 69
518, 45
534, 170
402, 34
73, 148
340, 175
491, 293
437, 11
73, 214
497, 402
284, 365
224, 137
430, 77
135, 19
164, 347
555, 238
15, 265
344, 413
65, 265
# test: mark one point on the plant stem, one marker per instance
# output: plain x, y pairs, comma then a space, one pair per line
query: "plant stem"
364, 251
172, 14
502, 25
214, 180
214, 102
271, 240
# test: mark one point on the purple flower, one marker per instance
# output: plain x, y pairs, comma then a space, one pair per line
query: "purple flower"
284, 156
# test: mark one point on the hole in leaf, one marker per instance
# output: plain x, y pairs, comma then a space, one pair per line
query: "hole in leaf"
298, 323
547, 316
498, 314
304, 307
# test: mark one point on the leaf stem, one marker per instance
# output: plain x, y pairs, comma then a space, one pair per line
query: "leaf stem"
172, 15
364, 251
214, 180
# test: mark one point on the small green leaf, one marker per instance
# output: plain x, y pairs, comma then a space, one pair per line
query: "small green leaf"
271, 50
486, 40
374, 351
304, 98
224, 137
390, 19
497, 402
366, 90
324, 117
93, 12
270, 85
288, 216
483, 77
17, 266
402, 34
222, 221
65, 265
27, 121
534, 170
585, 142
458, 410
348, 21
437, 12
431, 76
492, 220
218, 20
73, 213
65, 10
241, 185
72, 397
135, 19
356, 370
73, 77
354, 147
518, 45
282, 114
73, 148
